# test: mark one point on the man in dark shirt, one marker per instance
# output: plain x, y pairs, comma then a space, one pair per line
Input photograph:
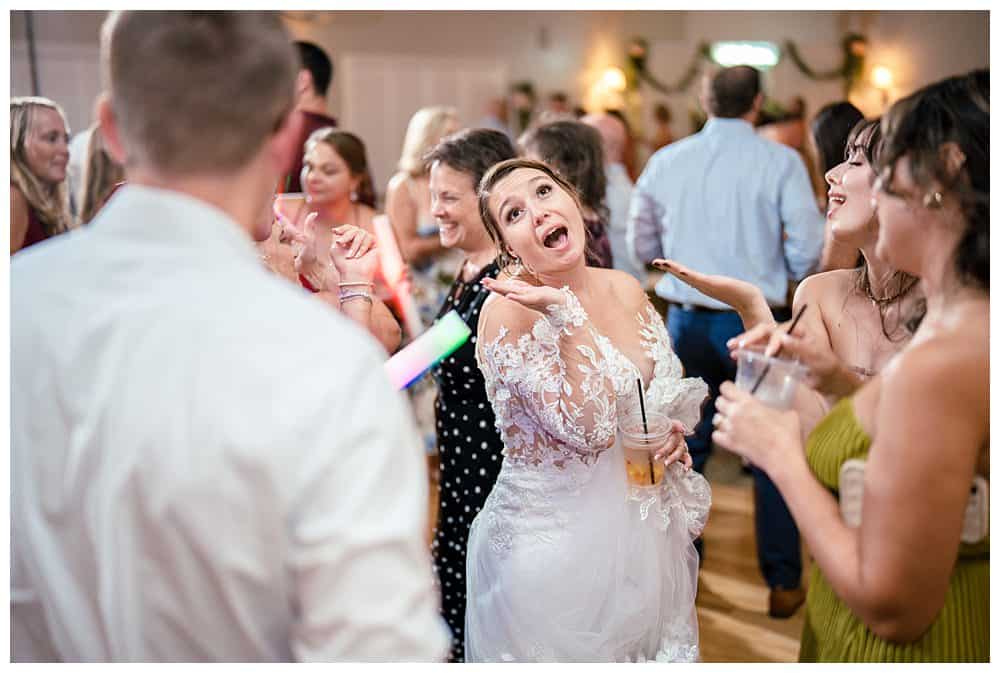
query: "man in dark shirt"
311, 86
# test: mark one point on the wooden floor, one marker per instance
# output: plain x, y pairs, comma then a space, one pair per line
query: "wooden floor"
732, 596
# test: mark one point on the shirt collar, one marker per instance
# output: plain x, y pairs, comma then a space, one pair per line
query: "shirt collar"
167, 217
727, 125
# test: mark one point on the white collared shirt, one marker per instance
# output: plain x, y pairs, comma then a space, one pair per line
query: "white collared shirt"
207, 464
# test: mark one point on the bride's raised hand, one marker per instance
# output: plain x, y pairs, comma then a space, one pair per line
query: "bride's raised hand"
541, 298
745, 298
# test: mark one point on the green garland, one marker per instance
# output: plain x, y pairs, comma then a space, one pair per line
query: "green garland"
850, 70
638, 49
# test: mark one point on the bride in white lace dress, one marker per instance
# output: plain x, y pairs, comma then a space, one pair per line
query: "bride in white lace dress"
568, 561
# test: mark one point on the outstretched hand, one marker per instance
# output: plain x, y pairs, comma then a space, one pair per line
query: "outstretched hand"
745, 298
536, 297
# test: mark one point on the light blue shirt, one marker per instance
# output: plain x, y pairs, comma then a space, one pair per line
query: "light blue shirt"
726, 201
618, 196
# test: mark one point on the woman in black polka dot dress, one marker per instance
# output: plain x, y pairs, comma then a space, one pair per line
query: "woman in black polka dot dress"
469, 443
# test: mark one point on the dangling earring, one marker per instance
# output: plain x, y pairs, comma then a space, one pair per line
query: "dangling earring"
932, 200
518, 267
354, 195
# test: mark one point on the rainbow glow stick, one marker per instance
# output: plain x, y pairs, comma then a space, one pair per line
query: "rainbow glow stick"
434, 345
394, 272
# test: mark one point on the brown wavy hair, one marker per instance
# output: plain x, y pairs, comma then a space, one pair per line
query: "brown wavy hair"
955, 110
352, 151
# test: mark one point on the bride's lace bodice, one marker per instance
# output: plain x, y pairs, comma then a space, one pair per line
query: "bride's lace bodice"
558, 390
568, 560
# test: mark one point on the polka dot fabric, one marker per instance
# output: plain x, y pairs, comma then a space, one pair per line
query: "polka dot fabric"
469, 449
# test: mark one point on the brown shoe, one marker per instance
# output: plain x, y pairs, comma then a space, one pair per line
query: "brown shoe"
783, 603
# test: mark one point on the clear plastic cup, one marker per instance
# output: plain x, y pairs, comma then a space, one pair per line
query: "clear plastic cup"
639, 444
781, 379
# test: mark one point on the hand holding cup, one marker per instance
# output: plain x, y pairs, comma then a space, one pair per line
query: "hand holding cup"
826, 373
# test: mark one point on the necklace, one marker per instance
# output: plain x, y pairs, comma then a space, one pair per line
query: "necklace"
880, 302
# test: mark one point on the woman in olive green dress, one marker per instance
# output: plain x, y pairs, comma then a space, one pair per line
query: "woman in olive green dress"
891, 491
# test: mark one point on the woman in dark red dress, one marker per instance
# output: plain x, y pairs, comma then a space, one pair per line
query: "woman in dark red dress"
39, 152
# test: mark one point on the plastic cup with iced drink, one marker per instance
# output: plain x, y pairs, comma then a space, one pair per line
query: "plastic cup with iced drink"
640, 443
781, 377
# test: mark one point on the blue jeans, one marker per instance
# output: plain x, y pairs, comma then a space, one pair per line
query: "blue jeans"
699, 339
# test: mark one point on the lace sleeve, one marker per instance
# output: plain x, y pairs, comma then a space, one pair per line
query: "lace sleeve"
670, 392
548, 380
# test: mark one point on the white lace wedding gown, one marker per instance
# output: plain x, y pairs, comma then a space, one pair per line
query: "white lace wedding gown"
567, 561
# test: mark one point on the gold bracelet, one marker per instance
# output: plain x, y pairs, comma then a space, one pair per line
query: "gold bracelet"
357, 283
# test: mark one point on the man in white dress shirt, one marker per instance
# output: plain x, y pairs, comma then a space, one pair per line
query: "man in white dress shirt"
208, 464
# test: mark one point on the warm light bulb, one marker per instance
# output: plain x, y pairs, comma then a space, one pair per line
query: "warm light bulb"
613, 79
881, 77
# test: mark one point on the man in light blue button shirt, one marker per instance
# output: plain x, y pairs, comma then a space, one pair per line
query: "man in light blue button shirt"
726, 201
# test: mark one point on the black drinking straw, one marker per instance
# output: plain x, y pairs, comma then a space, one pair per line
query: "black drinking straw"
767, 367
645, 428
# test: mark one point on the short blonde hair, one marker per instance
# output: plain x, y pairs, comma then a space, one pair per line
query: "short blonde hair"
197, 92
426, 128
51, 202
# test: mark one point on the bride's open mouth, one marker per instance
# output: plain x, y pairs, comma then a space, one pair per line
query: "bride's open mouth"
556, 238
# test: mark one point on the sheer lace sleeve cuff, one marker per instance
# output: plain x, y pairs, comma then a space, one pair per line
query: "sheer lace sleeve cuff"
566, 317
683, 399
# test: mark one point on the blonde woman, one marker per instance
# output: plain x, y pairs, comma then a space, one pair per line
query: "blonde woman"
408, 205
39, 153
101, 175
432, 266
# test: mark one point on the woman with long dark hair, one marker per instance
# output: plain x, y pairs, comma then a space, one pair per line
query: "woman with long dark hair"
890, 490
